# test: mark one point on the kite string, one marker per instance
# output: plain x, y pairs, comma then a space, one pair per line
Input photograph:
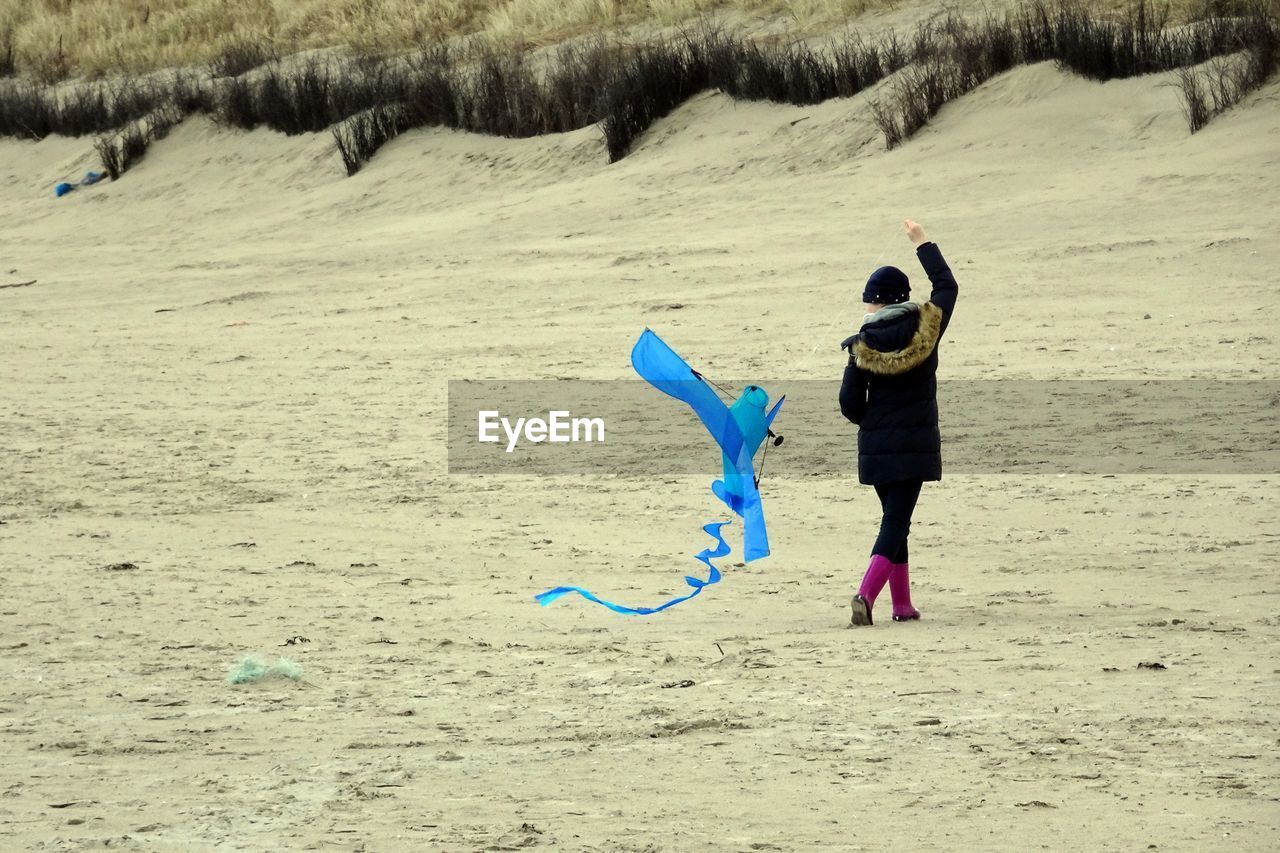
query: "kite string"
839, 316
712, 382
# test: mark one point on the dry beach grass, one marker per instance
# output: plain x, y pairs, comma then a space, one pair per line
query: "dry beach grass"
53, 39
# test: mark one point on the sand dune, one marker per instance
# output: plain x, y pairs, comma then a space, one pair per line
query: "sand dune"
231, 373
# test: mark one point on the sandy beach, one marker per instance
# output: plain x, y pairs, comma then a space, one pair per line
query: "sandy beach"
230, 374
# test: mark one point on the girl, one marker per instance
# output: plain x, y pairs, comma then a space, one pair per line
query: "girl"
890, 391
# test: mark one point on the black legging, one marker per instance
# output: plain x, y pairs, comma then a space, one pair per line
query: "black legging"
897, 502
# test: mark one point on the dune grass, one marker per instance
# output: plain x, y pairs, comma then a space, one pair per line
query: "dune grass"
54, 39
1223, 81
1140, 43
623, 88
51, 40
119, 151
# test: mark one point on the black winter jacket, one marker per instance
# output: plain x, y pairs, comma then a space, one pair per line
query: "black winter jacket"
890, 387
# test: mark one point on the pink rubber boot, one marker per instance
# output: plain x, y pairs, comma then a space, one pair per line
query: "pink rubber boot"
872, 582
900, 592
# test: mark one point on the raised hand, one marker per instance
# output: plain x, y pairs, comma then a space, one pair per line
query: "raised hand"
914, 232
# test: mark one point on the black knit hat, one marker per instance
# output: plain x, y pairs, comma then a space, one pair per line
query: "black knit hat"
887, 286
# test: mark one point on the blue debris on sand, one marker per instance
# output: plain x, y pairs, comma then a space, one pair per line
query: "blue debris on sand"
89, 179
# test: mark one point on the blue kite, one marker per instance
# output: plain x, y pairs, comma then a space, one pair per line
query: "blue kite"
738, 429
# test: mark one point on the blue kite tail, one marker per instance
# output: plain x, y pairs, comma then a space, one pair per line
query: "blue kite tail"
720, 549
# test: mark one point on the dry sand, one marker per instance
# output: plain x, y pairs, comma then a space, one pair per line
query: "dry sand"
231, 373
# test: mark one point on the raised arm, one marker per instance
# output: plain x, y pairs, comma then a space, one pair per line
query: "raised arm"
945, 289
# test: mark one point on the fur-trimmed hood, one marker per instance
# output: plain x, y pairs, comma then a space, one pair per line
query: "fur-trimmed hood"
880, 348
